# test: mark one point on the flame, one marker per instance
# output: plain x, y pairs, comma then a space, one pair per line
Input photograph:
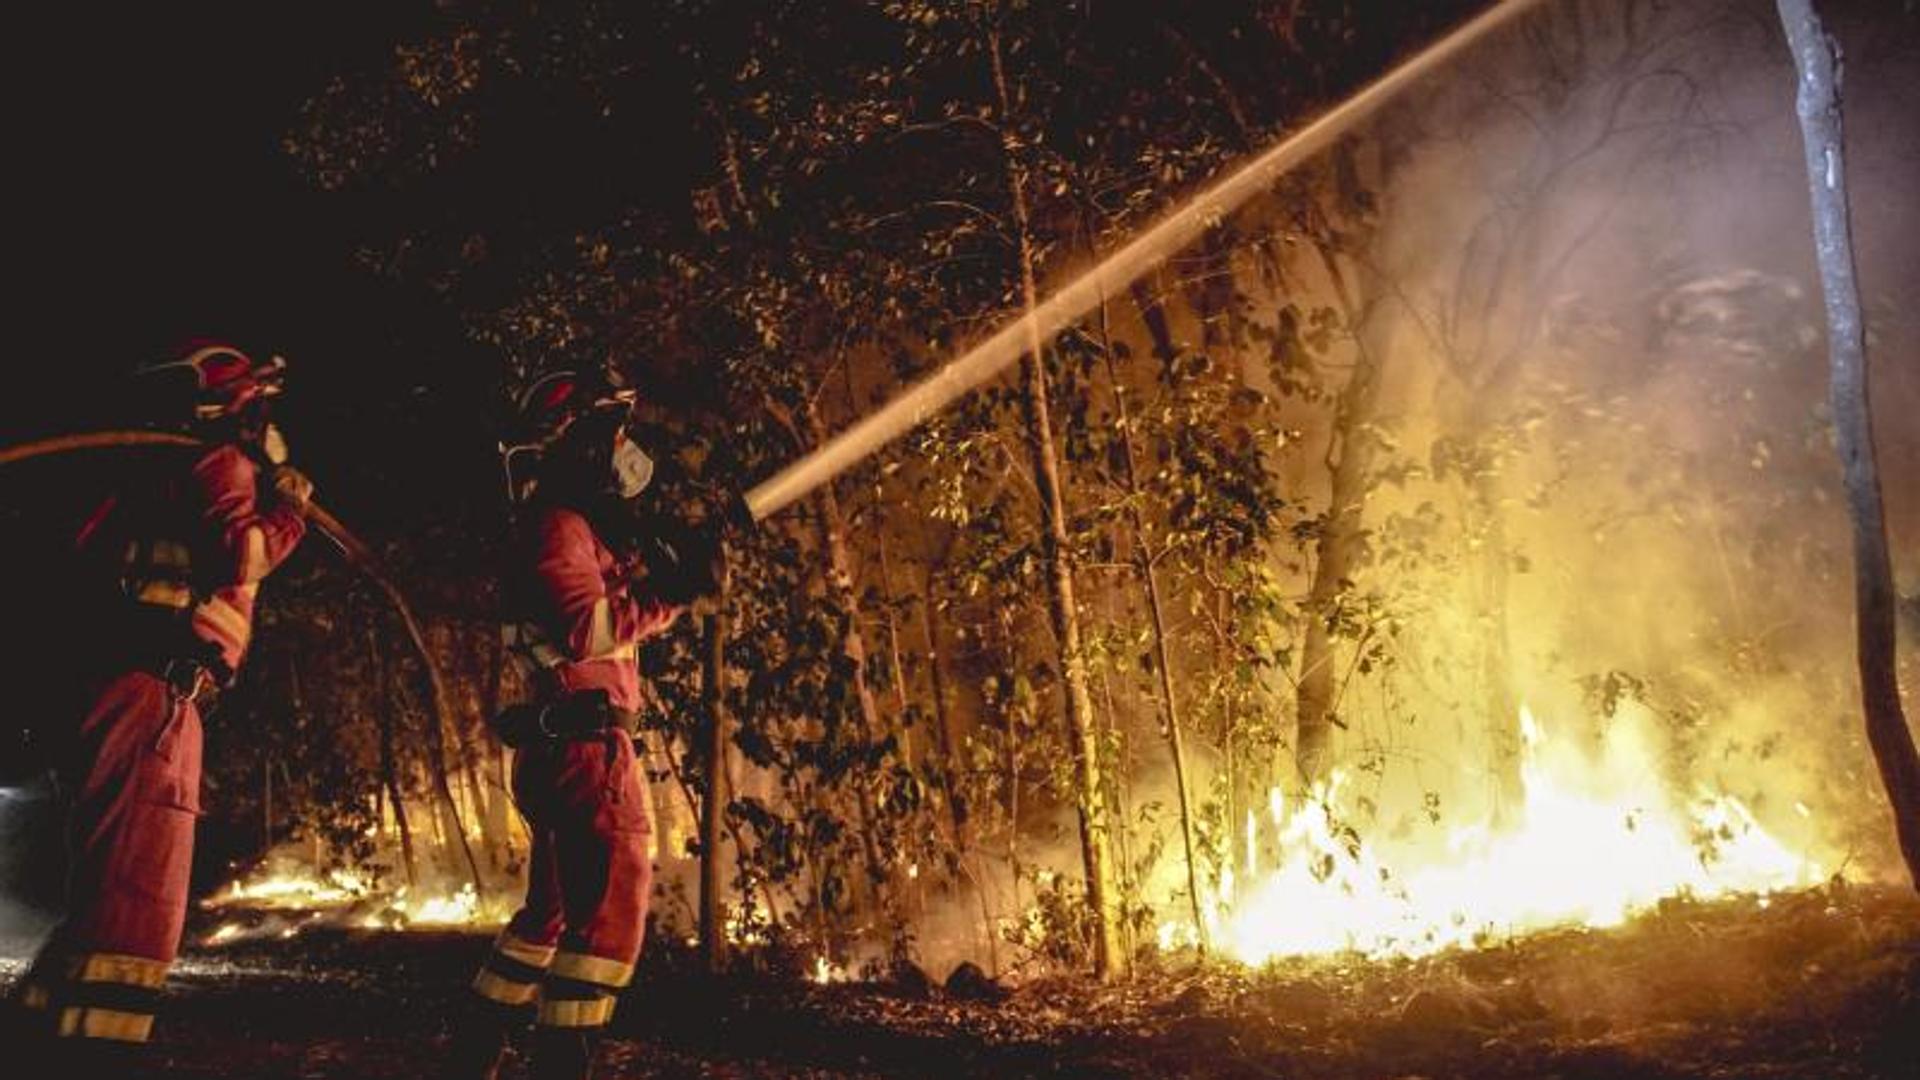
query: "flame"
460, 908
1598, 839
745, 926
346, 898
826, 971
295, 889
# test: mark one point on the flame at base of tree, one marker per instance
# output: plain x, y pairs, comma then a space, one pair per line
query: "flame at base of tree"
1598, 838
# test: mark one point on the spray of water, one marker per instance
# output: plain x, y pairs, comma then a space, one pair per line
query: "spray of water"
1118, 270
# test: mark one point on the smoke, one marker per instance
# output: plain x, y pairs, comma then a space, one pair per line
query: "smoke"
1605, 387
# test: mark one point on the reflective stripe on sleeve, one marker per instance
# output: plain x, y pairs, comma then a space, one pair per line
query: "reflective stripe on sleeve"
625, 651
231, 623
600, 639
170, 594
253, 555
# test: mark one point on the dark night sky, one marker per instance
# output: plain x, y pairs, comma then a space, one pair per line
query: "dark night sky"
153, 202
157, 203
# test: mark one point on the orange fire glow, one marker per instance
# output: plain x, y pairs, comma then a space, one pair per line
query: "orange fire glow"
1598, 839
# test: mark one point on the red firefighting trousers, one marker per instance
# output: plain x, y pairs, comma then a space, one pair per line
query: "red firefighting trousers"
572, 946
131, 845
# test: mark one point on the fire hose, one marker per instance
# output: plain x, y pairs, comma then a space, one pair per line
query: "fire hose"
355, 551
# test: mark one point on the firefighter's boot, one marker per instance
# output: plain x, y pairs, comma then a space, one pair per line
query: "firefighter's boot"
479, 1044
561, 1053
19, 1025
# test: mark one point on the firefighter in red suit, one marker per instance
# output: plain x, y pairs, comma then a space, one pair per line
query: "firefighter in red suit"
180, 554
580, 598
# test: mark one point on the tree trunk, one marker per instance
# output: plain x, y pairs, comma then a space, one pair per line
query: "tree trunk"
389, 765
499, 819
1338, 548
897, 663
902, 720
945, 724
1162, 661
1010, 742
833, 538
441, 722
1122, 805
970, 862
266, 805
1816, 59
297, 706
436, 813
478, 803
1154, 315
889, 618
1095, 842
1499, 704
503, 791
438, 702
713, 804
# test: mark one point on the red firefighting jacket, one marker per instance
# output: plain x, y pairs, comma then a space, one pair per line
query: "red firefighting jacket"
584, 623
202, 541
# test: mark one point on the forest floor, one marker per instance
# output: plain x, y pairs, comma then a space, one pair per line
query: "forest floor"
1819, 984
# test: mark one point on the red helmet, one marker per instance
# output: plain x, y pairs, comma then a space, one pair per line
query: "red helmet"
224, 379
554, 401
545, 411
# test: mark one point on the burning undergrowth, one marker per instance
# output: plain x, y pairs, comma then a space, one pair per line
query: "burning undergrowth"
286, 897
1597, 837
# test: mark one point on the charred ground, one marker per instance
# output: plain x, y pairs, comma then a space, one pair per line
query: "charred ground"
1820, 984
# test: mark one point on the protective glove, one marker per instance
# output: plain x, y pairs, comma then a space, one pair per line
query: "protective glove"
684, 566
293, 487
736, 514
